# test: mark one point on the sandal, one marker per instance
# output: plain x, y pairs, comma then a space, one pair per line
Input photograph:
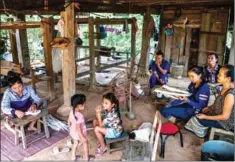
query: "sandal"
90, 158
100, 151
76, 158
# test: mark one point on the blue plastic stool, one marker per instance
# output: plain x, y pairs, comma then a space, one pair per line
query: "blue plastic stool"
217, 151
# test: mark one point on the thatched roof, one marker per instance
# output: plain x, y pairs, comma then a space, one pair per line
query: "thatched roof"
113, 6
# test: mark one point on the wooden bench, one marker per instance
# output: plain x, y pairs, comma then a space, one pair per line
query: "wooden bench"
17, 126
123, 138
215, 131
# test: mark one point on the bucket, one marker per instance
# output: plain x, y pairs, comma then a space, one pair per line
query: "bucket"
217, 151
177, 71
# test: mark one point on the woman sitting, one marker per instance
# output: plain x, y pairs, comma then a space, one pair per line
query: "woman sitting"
186, 107
18, 99
221, 113
212, 68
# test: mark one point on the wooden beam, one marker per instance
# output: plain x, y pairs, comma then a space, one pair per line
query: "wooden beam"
212, 33
85, 58
47, 38
98, 42
68, 63
104, 21
21, 25
13, 44
92, 52
22, 45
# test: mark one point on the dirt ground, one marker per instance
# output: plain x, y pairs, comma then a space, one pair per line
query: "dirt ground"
144, 110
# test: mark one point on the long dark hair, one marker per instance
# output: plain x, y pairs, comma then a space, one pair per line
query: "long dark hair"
13, 78
112, 98
77, 99
197, 70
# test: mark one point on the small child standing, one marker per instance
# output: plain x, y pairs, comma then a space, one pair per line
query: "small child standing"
111, 126
77, 126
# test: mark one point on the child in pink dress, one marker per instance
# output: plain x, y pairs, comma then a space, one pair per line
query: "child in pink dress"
77, 126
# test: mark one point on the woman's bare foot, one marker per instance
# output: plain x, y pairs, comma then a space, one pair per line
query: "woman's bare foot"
32, 129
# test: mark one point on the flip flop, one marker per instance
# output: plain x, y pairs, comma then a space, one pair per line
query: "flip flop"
100, 151
90, 158
76, 158
57, 150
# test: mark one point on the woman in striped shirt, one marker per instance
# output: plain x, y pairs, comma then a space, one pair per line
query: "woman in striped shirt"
18, 99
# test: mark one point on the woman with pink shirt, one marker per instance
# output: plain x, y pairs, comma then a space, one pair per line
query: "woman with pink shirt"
77, 126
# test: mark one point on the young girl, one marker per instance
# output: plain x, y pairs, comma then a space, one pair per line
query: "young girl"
76, 123
111, 126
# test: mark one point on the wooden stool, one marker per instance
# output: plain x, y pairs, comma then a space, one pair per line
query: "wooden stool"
19, 124
124, 137
219, 131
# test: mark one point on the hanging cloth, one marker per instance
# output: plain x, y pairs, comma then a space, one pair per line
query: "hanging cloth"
155, 35
60, 27
125, 26
151, 27
135, 26
103, 33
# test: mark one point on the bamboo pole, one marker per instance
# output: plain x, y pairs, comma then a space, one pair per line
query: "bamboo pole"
92, 52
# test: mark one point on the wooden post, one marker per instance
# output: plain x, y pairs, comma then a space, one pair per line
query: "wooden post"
13, 44
22, 44
133, 47
187, 49
68, 63
161, 34
92, 52
145, 45
98, 42
47, 38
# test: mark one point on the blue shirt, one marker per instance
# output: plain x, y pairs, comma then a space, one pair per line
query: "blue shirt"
164, 65
11, 101
199, 98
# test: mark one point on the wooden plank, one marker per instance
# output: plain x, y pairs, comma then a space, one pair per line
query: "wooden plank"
168, 46
92, 52
203, 40
212, 33
47, 38
98, 41
13, 44
22, 45
175, 46
68, 62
